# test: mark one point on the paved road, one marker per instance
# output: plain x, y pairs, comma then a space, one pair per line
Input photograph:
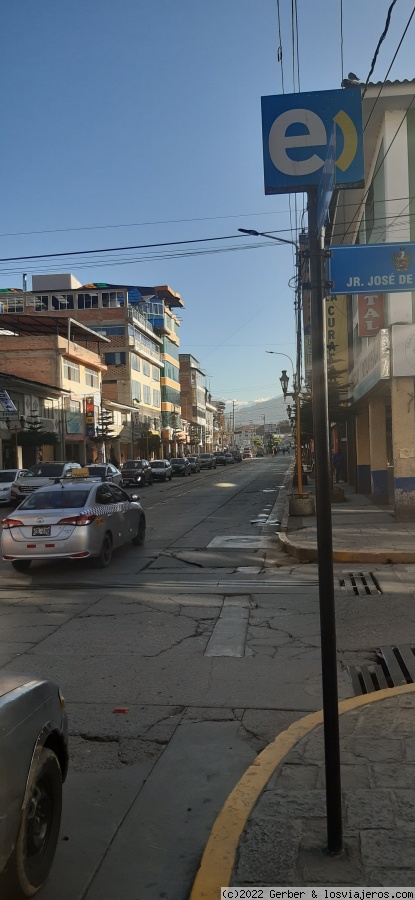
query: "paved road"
209, 637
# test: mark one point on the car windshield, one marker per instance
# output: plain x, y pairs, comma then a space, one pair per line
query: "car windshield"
158, 463
178, 460
72, 499
98, 470
193, 458
45, 470
205, 456
7, 476
133, 464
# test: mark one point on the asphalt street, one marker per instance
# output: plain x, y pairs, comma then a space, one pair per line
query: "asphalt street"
208, 640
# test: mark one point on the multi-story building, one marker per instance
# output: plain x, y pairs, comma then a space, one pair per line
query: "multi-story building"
141, 367
380, 437
159, 307
193, 400
54, 352
36, 404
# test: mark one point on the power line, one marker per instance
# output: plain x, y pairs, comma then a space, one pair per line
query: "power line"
380, 41
278, 212
387, 73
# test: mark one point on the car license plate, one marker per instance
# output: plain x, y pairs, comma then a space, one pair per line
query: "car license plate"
41, 531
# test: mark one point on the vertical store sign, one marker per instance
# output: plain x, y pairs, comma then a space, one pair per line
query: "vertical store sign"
90, 416
370, 314
336, 331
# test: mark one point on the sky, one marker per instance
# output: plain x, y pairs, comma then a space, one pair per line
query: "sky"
138, 122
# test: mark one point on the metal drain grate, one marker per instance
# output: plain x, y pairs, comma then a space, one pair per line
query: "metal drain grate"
361, 583
395, 666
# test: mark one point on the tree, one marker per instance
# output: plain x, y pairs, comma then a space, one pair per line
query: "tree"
35, 435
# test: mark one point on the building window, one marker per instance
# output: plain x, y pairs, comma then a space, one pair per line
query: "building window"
46, 408
113, 299
136, 390
14, 304
156, 399
41, 303
62, 301
135, 362
87, 301
114, 359
71, 370
146, 368
155, 373
75, 406
91, 378
146, 394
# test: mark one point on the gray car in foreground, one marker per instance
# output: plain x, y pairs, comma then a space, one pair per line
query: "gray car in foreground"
33, 765
72, 519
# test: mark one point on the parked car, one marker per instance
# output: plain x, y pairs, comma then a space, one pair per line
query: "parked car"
180, 466
38, 476
105, 470
207, 461
7, 477
72, 519
33, 766
229, 458
237, 456
161, 469
194, 464
136, 471
259, 453
220, 457
247, 454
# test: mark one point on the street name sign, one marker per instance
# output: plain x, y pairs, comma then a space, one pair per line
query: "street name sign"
296, 131
371, 268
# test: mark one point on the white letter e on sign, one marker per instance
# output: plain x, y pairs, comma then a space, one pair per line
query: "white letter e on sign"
279, 141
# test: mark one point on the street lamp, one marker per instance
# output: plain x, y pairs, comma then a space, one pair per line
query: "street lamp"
296, 396
284, 382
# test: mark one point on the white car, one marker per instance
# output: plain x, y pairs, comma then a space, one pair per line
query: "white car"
7, 476
74, 518
39, 475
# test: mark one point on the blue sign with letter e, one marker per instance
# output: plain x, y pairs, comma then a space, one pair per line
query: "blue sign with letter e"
296, 131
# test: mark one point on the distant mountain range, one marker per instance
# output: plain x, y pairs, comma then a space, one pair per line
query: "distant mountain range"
274, 410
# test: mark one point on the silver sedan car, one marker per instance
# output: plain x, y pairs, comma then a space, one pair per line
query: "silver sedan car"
72, 519
33, 765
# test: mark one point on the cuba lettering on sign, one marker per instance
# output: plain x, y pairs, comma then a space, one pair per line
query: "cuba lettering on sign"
296, 131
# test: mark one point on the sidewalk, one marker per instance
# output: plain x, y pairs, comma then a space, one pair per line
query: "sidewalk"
272, 830
278, 837
362, 532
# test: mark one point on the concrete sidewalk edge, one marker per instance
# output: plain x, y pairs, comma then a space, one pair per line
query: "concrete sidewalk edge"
219, 856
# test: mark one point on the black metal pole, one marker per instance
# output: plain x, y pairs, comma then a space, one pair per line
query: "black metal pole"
324, 536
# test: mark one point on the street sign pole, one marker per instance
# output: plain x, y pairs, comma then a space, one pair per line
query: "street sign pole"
324, 534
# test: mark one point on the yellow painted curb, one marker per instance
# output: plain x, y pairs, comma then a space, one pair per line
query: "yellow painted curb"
219, 855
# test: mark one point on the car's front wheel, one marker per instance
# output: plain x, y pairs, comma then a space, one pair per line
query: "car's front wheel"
105, 554
140, 537
21, 565
32, 857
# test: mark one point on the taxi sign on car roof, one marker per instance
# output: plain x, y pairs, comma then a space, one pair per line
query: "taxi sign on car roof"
80, 473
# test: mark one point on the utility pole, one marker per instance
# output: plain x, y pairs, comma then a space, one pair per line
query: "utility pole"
324, 533
324, 524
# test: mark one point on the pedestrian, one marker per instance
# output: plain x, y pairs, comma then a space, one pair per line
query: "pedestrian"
338, 464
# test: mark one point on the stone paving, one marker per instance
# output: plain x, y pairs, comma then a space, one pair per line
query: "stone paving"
285, 839
286, 835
